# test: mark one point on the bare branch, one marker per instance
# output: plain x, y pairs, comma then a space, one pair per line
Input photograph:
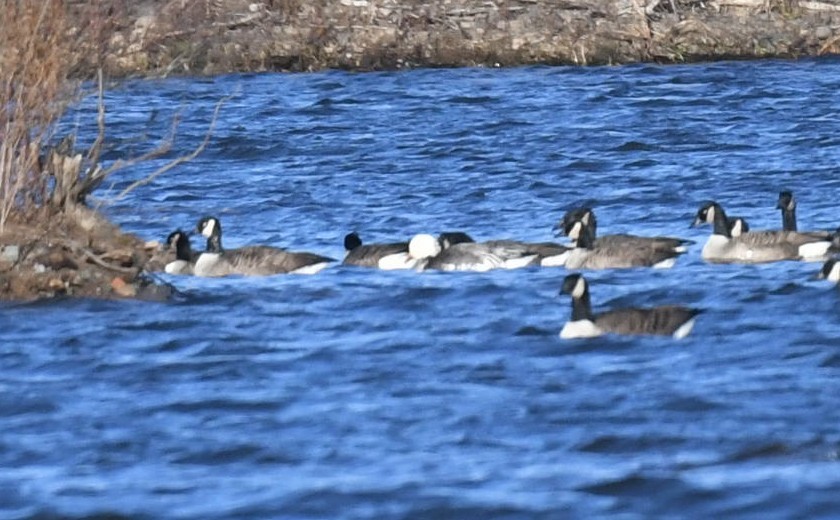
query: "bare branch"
96, 150
178, 160
90, 255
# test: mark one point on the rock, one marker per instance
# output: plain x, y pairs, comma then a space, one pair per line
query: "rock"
56, 284
10, 254
823, 33
121, 288
122, 257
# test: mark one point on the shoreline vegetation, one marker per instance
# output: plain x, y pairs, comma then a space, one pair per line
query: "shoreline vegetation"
214, 37
52, 243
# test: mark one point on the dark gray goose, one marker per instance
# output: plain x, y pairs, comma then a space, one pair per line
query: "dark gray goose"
591, 254
587, 216
428, 253
754, 246
668, 320
184, 255
250, 260
548, 254
787, 205
382, 256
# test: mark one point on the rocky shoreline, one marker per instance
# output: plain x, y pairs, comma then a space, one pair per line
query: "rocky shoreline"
78, 254
213, 37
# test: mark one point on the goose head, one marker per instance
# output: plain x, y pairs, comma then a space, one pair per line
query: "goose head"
423, 246
712, 213
738, 226
583, 214
352, 241
209, 226
786, 201
448, 239
180, 242
575, 285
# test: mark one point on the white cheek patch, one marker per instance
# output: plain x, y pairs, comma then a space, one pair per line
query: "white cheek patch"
580, 288
834, 274
208, 228
574, 233
710, 215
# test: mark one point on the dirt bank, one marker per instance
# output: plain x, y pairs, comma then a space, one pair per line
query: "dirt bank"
77, 253
209, 37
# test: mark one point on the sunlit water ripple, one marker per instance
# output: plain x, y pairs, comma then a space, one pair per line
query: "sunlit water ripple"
367, 395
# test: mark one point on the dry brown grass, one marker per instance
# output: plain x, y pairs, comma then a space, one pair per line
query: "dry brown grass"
36, 59
41, 57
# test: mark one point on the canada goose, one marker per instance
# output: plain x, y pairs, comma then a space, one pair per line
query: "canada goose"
465, 256
787, 205
753, 246
250, 260
548, 254
184, 256
589, 254
668, 320
830, 271
383, 256
587, 216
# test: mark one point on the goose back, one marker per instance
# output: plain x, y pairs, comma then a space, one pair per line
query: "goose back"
588, 254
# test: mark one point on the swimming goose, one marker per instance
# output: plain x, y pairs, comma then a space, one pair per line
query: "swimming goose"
465, 256
668, 320
830, 271
753, 246
587, 216
383, 256
548, 254
250, 260
591, 254
184, 256
787, 205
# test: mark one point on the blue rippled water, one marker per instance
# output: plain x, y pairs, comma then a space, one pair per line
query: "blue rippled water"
359, 394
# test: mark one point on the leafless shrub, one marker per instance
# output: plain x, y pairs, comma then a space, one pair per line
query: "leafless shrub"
41, 54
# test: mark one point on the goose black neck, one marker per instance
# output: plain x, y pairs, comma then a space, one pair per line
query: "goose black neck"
581, 307
183, 251
593, 225
214, 243
789, 219
586, 238
721, 223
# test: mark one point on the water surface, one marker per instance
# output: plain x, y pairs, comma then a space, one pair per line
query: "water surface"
361, 394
